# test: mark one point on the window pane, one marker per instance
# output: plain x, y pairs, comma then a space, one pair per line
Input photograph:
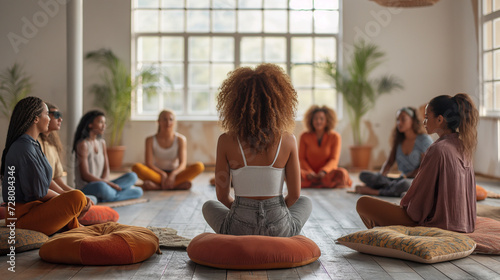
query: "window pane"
246, 4
172, 21
172, 49
199, 48
326, 4
200, 102
301, 4
147, 49
497, 65
488, 96
145, 21
488, 66
219, 73
199, 74
146, 3
302, 75
224, 4
282, 4
223, 49
325, 97
175, 72
198, 21
496, 32
322, 80
149, 104
304, 97
326, 22
173, 100
487, 7
172, 4
275, 21
325, 49
301, 50
197, 3
300, 22
251, 49
274, 49
249, 21
487, 36
223, 21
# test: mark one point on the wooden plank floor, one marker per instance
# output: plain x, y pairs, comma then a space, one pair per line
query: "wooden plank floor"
333, 215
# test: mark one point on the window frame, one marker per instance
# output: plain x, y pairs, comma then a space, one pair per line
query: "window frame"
482, 19
136, 116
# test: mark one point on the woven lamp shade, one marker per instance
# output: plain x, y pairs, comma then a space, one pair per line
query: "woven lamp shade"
405, 3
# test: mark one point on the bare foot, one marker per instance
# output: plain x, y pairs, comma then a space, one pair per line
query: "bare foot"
150, 186
183, 186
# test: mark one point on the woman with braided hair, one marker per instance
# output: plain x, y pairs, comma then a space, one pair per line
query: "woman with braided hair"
443, 194
27, 176
255, 155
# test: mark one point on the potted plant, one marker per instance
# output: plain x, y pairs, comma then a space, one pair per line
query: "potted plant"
14, 86
360, 91
114, 96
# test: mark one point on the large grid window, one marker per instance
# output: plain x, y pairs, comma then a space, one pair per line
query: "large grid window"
197, 42
490, 57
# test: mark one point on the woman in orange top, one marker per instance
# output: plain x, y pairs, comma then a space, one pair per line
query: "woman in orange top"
319, 151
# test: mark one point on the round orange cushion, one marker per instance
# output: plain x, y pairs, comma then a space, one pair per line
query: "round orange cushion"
98, 215
481, 193
252, 251
103, 244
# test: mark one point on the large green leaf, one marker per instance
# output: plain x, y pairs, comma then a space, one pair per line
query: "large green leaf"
14, 86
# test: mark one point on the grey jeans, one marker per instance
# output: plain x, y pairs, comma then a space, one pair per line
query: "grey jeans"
247, 216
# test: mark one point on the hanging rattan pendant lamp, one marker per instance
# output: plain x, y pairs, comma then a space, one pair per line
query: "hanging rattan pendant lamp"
405, 3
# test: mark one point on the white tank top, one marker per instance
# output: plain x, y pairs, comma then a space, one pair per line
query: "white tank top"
166, 158
258, 180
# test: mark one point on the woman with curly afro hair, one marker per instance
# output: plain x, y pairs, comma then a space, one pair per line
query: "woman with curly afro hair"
255, 155
319, 151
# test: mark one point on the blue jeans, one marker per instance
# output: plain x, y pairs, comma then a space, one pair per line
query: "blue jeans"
105, 193
247, 216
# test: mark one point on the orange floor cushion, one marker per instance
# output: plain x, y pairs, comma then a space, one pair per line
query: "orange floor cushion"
481, 193
252, 251
103, 244
98, 215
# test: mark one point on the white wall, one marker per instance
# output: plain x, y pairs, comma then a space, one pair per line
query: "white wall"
432, 49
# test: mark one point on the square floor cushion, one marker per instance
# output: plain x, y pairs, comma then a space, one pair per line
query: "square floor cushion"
24, 239
99, 215
252, 251
102, 244
419, 244
487, 236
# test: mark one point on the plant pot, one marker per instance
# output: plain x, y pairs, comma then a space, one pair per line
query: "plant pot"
115, 157
360, 156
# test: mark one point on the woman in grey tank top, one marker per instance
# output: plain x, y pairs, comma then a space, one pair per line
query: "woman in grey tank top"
257, 109
91, 163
